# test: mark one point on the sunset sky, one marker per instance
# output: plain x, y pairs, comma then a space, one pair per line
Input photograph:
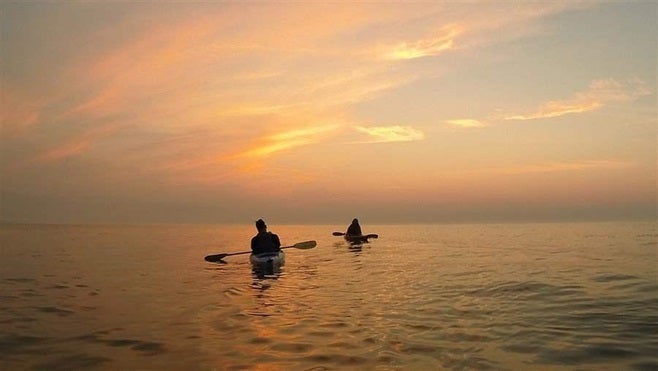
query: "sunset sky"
312, 112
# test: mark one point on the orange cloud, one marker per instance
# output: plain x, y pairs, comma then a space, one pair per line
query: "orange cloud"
467, 123
426, 47
18, 113
600, 92
288, 139
265, 146
384, 134
558, 108
78, 144
133, 71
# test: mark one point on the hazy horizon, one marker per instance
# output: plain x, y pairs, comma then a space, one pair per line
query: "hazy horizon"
367, 223
317, 113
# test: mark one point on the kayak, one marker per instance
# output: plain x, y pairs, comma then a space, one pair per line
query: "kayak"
357, 239
267, 258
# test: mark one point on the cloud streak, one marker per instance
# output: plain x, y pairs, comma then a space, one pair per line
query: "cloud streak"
18, 113
599, 93
426, 47
388, 134
287, 140
467, 123
79, 144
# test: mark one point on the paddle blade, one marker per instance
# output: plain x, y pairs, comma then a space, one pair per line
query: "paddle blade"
305, 245
215, 258
372, 236
338, 234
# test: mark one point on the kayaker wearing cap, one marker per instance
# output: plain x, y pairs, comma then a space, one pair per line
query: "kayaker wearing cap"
354, 229
264, 241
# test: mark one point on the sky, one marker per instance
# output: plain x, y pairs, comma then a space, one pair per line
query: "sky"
319, 112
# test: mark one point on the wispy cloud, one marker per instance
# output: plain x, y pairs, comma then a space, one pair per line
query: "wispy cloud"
79, 144
467, 123
18, 113
385, 134
241, 154
288, 139
599, 93
430, 46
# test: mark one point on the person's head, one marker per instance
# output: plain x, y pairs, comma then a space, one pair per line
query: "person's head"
260, 225
355, 221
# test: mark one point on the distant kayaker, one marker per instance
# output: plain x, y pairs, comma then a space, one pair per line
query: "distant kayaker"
264, 241
354, 229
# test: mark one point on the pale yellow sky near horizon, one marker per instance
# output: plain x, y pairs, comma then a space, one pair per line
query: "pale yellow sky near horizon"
297, 112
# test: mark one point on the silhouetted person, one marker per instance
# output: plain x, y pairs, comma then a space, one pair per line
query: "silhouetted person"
354, 229
264, 241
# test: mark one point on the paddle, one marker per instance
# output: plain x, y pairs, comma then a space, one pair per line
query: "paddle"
364, 236
301, 245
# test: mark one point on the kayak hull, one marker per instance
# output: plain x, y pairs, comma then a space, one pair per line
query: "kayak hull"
276, 259
356, 239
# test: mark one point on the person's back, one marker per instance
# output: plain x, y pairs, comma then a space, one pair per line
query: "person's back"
264, 241
354, 229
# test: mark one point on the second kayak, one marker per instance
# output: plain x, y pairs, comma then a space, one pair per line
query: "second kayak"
359, 238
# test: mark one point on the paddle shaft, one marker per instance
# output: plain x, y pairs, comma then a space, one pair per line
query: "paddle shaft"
249, 252
365, 235
300, 245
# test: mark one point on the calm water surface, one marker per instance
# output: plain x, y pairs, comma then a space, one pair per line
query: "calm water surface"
509, 296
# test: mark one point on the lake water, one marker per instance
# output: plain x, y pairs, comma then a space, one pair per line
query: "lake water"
507, 296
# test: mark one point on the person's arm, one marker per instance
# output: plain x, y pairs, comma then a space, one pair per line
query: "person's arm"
276, 241
253, 245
